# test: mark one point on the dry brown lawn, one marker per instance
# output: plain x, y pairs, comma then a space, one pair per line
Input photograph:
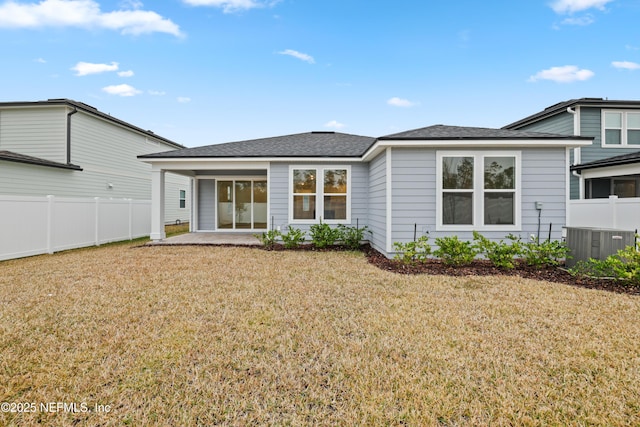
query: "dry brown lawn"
180, 336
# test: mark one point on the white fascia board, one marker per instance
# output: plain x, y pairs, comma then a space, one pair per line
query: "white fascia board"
604, 172
453, 144
191, 164
250, 160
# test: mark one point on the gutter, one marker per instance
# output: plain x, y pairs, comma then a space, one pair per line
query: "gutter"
75, 110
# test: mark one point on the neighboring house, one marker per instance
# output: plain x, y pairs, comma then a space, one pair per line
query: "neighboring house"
615, 129
439, 180
66, 148
618, 176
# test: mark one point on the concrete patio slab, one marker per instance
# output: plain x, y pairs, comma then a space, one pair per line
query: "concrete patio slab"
241, 239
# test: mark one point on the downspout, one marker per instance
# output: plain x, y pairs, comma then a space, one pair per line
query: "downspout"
75, 110
576, 151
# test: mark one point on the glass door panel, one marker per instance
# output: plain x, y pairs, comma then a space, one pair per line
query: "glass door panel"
260, 204
225, 204
243, 204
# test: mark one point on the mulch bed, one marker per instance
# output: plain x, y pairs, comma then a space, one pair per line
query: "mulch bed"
486, 268
482, 268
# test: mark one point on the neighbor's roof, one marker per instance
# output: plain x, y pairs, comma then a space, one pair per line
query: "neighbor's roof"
561, 107
91, 110
623, 159
311, 144
10, 156
442, 132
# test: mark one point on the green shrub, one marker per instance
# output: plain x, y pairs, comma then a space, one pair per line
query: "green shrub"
322, 235
293, 238
501, 254
269, 238
351, 236
455, 252
414, 251
547, 253
623, 266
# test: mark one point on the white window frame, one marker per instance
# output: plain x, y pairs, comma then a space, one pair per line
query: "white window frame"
624, 129
479, 191
182, 200
320, 194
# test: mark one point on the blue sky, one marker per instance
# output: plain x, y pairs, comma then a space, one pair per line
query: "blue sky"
207, 71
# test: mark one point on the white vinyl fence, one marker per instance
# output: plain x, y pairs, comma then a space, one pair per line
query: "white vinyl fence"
615, 213
38, 225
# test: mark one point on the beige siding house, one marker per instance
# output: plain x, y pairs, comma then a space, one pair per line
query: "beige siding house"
65, 148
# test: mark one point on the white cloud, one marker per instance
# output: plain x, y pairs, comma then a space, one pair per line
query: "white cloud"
86, 68
40, 60
128, 73
183, 99
334, 124
229, 6
626, 65
131, 4
157, 93
121, 90
564, 74
571, 6
299, 55
582, 21
83, 14
399, 102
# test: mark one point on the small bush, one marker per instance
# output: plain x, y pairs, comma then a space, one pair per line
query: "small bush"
414, 251
455, 252
548, 253
293, 238
623, 266
501, 254
351, 236
322, 235
269, 238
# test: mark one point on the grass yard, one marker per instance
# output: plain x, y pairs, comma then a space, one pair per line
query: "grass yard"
180, 336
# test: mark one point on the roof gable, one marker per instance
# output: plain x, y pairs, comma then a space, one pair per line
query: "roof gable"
443, 132
311, 144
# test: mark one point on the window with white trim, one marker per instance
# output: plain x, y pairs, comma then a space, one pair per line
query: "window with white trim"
620, 128
183, 199
478, 190
320, 193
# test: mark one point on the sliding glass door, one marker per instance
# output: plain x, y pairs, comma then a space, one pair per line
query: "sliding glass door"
242, 204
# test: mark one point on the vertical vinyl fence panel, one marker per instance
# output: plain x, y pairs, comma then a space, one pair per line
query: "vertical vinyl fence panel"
37, 225
74, 223
24, 226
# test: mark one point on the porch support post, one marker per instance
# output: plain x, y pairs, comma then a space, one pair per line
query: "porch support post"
157, 205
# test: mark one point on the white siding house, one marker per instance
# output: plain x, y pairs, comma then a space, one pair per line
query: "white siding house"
66, 148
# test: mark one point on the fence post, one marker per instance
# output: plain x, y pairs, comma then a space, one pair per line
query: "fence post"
613, 206
50, 209
130, 219
97, 220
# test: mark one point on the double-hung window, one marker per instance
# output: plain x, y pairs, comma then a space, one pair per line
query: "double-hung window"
183, 199
320, 193
620, 128
478, 190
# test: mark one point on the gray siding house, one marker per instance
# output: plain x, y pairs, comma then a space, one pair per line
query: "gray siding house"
66, 148
439, 180
615, 129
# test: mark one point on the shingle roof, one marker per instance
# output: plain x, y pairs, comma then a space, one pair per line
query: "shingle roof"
442, 132
561, 107
623, 159
22, 158
311, 144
